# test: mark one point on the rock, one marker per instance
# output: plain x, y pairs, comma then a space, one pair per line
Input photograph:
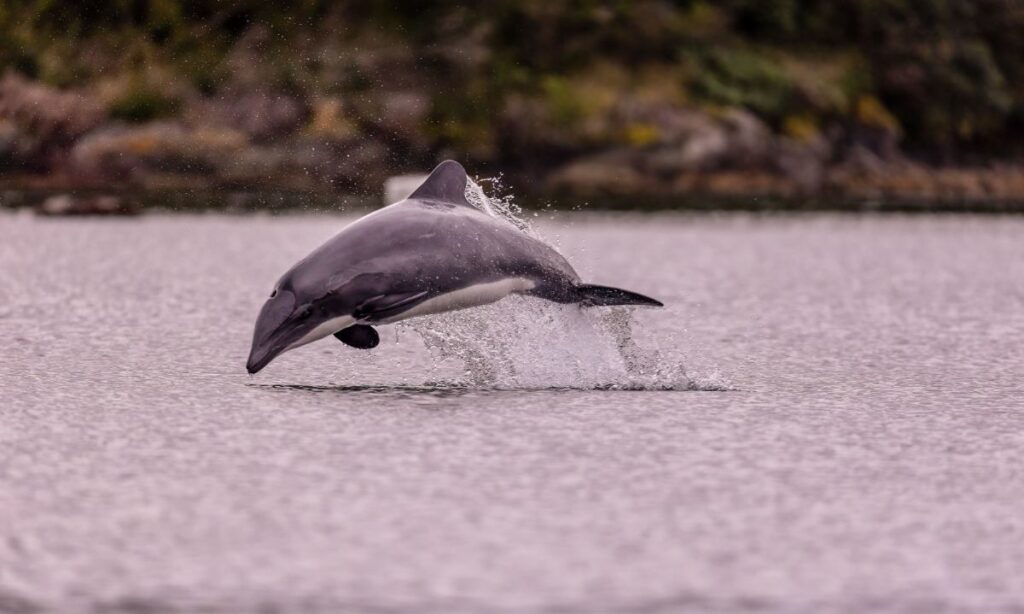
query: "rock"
610, 173
750, 140
166, 147
1005, 183
672, 124
802, 162
291, 164
862, 161
40, 123
261, 114
690, 140
694, 151
306, 163
703, 150
912, 181
66, 205
746, 183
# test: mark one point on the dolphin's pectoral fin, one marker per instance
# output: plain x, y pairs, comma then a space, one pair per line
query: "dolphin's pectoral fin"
386, 305
359, 336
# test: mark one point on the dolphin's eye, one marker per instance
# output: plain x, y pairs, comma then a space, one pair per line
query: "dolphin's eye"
273, 293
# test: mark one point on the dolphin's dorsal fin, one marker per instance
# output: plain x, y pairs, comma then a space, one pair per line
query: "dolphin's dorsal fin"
447, 183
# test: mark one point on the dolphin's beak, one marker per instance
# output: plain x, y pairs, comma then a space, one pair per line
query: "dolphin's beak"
274, 330
258, 360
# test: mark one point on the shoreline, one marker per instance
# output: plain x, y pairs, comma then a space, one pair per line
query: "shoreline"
40, 196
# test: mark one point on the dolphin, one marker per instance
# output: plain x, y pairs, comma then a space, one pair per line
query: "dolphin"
431, 253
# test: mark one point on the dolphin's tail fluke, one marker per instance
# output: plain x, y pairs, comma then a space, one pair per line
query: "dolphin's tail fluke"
604, 296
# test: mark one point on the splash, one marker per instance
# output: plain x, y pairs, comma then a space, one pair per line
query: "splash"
501, 203
523, 342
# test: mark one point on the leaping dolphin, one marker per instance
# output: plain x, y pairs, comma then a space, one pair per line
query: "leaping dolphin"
430, 253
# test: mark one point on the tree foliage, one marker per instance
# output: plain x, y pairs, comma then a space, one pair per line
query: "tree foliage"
950, 72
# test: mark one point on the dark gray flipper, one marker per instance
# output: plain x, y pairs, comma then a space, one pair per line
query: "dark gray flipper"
447, 183
359, 336
604, 296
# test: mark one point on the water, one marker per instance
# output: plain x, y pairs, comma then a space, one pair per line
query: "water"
826, 417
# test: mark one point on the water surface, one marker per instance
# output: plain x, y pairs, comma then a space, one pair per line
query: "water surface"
826, 417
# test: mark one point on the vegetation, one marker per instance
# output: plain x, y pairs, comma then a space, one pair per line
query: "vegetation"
522, 78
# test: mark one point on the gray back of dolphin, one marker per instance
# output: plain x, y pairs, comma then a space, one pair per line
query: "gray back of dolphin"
432, 252
433, 242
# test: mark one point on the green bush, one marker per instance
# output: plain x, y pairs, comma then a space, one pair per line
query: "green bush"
739, 77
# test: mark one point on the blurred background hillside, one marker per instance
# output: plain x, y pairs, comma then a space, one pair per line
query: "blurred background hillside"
858, 99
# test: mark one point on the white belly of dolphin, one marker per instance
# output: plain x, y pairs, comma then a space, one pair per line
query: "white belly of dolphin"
470, 296
328, 327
